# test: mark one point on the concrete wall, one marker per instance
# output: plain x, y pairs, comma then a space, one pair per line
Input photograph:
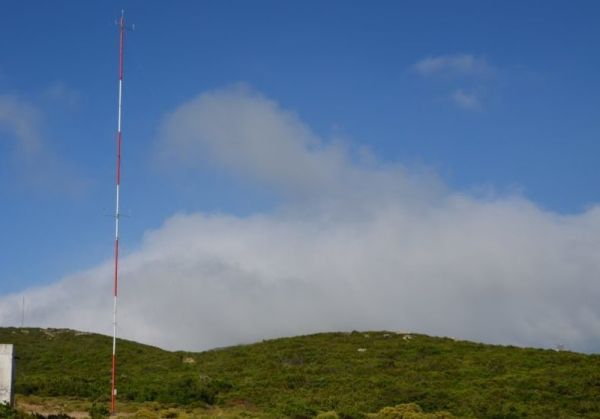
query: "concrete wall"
7, 374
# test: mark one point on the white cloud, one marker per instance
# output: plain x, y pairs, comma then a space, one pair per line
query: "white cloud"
463, 73
60, 92
21, 119
456, 64
34, 161
354, 247
242, 131
466, 100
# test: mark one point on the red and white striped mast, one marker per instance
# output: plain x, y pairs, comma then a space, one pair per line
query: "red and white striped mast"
113, 392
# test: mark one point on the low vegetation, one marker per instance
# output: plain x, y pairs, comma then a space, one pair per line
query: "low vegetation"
329, 375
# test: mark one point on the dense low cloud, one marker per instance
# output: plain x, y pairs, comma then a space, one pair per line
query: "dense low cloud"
354, 245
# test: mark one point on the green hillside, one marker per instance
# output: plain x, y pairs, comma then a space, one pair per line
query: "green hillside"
350, 373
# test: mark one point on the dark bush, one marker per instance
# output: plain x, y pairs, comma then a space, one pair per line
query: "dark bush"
350, 413
187, 390
98, 411
298, 410
8, 412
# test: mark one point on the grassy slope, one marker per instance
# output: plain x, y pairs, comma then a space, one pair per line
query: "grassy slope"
300, 375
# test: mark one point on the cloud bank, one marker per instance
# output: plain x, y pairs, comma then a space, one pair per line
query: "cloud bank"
355, 244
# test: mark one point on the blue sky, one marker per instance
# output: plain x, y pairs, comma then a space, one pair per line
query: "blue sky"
496, 98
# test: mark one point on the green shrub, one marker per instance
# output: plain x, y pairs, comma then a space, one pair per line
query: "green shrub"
408, 411
328, 415
298, 410
170, 414
351, 413
145, 414
7, 412
98, 411
187, 390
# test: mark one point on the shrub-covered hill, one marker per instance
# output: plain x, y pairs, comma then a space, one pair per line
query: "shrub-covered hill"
350, 373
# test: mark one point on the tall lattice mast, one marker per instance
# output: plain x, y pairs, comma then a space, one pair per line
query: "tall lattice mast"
113, 393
